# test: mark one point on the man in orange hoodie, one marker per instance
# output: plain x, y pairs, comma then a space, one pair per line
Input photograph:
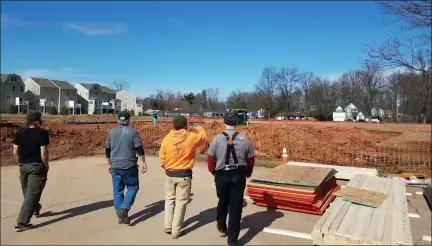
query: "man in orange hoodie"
177, 156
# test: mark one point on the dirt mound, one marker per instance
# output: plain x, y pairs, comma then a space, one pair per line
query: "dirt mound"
330, 145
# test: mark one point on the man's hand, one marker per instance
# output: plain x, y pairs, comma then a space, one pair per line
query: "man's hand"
109, 169
144, 168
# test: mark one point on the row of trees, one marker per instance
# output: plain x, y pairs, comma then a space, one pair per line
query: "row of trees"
395, 76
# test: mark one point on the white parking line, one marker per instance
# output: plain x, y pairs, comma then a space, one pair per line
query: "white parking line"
288, 233
426, 238
413, 215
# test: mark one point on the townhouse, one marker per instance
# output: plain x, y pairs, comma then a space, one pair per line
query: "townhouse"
43, 93
11, 88
129, 102
97, 99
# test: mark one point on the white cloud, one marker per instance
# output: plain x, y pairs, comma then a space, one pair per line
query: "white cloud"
98, 29
7, 21
61, 73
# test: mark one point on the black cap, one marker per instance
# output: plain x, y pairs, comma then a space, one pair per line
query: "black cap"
179, 122
124, 115
230, 120
33, 116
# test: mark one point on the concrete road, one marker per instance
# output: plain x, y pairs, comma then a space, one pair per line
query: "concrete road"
78, 209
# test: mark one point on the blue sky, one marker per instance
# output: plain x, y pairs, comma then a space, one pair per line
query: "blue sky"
186, 46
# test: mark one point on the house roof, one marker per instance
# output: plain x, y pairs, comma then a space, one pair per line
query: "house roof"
107, 90
4, 77
44, 82
63, 85
88, 86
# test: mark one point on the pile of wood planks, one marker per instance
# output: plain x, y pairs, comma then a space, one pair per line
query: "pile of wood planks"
343, 173
295, 188
345, 223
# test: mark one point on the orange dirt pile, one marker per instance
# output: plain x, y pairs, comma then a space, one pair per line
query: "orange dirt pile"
330, 145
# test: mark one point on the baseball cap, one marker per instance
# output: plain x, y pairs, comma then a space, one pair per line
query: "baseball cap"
124, 115
33, 116
230, 120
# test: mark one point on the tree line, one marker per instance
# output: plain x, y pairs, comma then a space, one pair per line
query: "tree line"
394, 76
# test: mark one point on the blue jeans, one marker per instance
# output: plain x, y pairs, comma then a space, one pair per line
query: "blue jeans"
122, 178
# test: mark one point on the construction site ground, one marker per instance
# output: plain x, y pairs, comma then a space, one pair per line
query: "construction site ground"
78, 209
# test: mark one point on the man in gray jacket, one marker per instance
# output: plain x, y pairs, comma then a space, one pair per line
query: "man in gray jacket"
123, 143
230, 159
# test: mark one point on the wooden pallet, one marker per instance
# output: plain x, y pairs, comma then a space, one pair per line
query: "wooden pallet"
345, 223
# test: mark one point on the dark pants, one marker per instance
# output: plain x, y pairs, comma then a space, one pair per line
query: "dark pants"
123, 178
33, 178
230, 186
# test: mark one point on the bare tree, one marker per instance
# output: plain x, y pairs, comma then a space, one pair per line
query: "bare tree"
119, 85
372, 77
287, 81
267, 88
306, 81
415, 14
350, 84
189, 97
212, 98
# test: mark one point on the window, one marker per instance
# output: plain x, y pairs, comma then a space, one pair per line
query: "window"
8, 98
13, 78
90, 102
22, 88
68, 92
134, 106
52, 99
13, 88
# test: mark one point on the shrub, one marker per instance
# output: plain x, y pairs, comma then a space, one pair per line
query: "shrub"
64, 110
12, 109
140, 114
132, 112
52, 110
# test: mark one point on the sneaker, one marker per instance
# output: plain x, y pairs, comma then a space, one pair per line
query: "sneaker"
23, 227
37, 210
167, 231
177, 235
222, 233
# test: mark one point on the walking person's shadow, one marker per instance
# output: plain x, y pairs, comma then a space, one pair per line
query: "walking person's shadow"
73, 212
255, 223
203, 218
148, 212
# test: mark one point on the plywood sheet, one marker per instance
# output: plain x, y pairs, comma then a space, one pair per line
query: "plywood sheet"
296, 175
362, 196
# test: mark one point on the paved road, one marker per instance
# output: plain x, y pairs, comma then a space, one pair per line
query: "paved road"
78, 204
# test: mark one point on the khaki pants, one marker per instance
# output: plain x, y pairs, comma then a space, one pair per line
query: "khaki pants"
177, 193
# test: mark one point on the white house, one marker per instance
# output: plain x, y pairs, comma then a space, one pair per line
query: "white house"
339, 115
129, 102
351, 112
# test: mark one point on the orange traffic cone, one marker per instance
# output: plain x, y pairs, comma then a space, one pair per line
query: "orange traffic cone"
284, 157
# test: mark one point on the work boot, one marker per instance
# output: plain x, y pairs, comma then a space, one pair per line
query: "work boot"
125, 216
232, 243
177, 235
23, 227
37, 210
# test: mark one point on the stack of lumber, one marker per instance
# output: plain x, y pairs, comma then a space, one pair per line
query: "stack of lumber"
347, 223
301, 189
343, 173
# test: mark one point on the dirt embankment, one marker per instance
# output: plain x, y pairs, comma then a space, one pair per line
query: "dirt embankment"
334, 145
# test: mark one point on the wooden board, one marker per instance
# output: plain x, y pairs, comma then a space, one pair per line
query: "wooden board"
427, 193
343, 172
352, 224
296, 175
362, 197
304, 189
